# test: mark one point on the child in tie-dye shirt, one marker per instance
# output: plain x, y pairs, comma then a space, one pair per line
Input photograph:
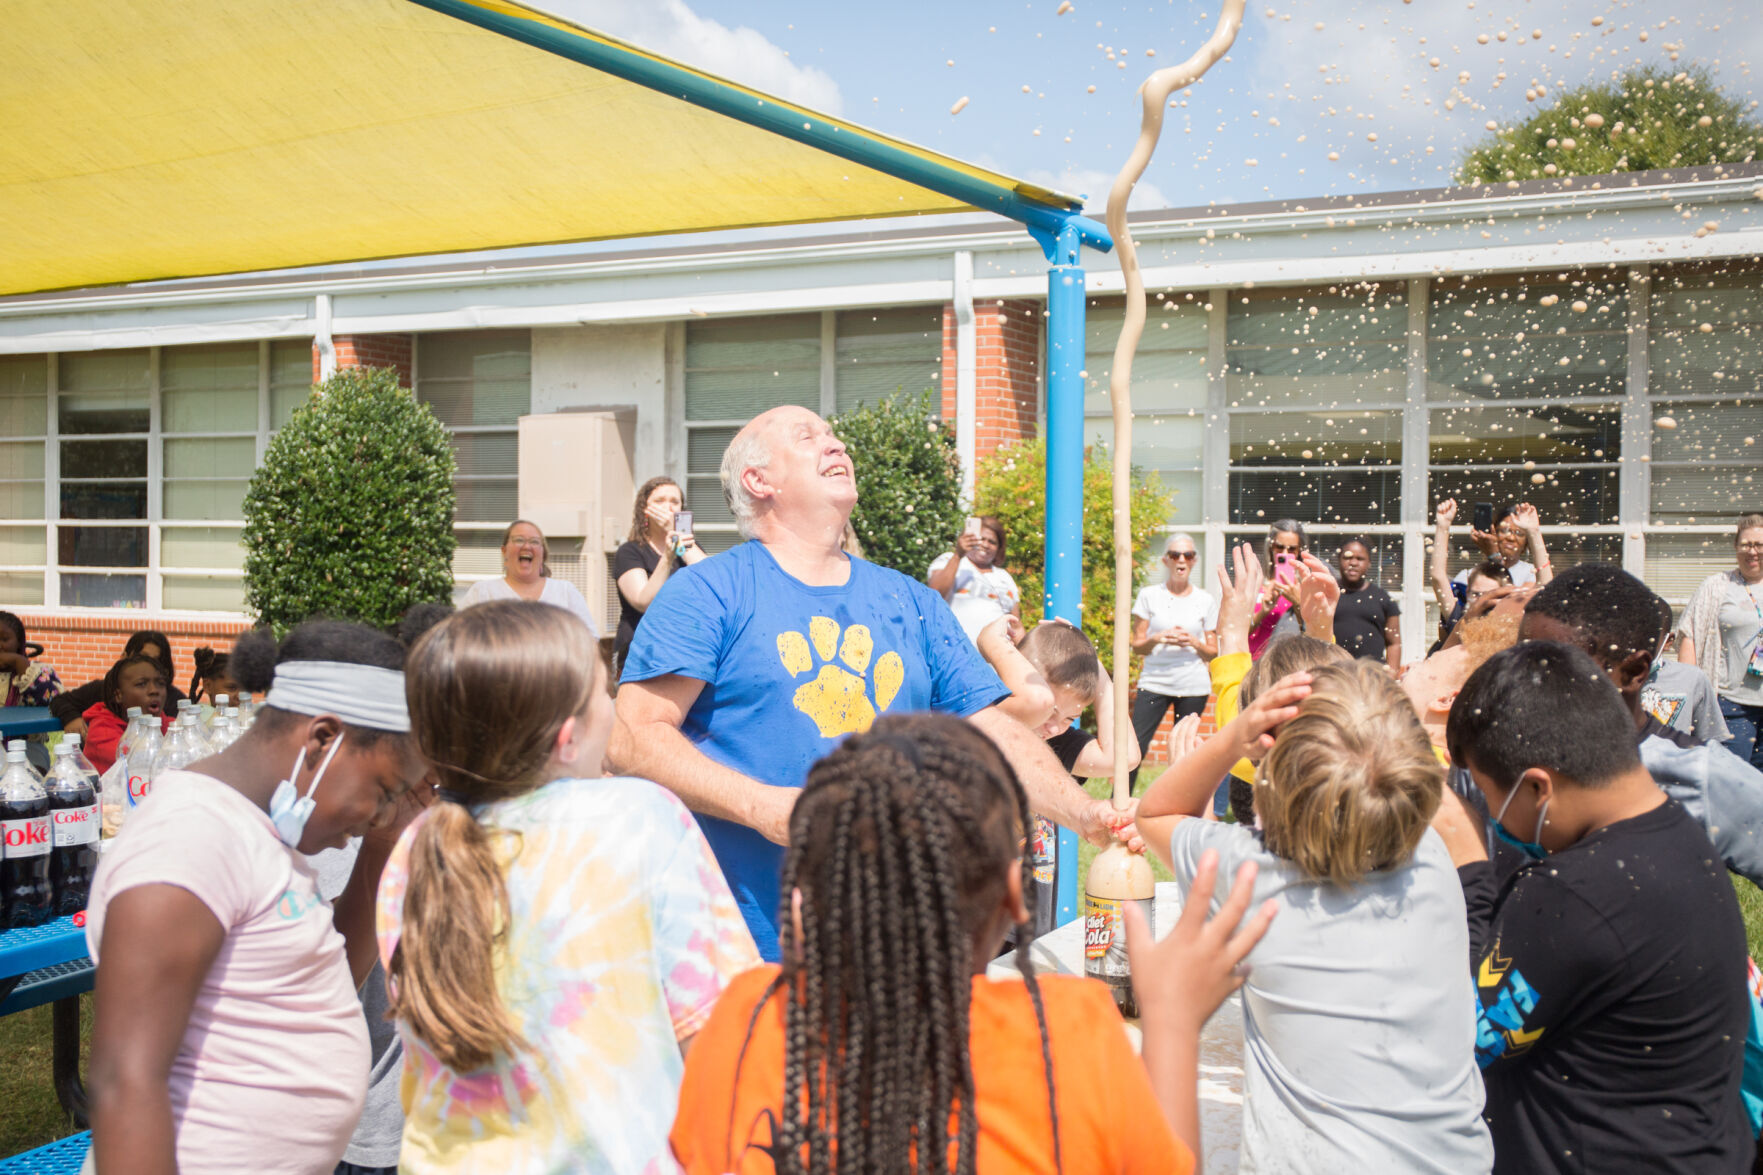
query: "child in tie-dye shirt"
554, 939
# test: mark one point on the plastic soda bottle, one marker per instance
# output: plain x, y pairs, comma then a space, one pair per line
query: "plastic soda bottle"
24, 827
73, 837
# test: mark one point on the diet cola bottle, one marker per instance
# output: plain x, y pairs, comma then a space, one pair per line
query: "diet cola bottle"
24, 826
73, 821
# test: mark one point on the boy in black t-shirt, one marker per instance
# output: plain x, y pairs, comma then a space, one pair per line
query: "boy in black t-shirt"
1367, 622
1610, 970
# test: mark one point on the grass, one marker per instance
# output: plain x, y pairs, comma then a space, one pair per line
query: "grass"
29, 1114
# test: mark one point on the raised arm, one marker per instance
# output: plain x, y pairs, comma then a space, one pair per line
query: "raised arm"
1031, 698
1439, 565
942, 580
1318, 594
647, 743
1525, 515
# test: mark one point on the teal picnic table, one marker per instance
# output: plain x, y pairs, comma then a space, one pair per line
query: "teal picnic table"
18, 721
50, 964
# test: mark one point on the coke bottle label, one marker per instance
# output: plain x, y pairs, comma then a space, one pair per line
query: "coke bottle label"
28, 837
139, 785
75, 826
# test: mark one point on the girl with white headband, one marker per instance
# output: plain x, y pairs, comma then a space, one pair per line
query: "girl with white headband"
554, 938
228, 1035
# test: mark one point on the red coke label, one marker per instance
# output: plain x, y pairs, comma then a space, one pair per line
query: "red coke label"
75, 826
28, 837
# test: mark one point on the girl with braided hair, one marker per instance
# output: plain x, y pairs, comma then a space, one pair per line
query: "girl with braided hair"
880, 1045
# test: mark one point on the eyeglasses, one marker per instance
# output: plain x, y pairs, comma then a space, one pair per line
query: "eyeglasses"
535, 544
1184, 556
1750, 548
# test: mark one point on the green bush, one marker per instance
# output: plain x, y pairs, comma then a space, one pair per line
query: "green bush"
908, 481
351, 513
1012, 485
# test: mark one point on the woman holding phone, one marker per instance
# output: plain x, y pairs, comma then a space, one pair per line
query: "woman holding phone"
970, 578
660, 539
1277, 613
526, 575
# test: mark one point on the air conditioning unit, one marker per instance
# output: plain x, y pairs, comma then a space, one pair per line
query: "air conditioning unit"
577, 484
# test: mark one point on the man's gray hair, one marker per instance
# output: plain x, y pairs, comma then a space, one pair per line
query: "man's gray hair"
1180, 534
749, 450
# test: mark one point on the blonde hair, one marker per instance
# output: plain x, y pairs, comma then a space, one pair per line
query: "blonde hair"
1292, 653
1351, 783
489, 690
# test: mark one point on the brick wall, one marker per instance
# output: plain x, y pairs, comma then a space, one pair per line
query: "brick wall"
373, 351
1007, 354
83, 646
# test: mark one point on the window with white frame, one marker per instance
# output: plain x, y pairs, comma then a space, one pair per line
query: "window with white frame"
1315, 384
1168, 393
830, 362
123, 473
479, 384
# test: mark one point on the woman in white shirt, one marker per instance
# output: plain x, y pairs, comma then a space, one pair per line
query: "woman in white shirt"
526, 575
1174, 629
970, 578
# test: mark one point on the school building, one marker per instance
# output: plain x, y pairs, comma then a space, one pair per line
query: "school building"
1594, 346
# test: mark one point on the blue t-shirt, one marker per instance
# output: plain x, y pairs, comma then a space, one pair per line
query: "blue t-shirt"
788, 671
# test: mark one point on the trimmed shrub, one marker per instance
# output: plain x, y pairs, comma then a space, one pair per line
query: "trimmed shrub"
351, 513
908, 481
1012, 484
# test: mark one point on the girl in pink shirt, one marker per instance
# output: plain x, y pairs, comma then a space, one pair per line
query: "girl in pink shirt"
228, 1036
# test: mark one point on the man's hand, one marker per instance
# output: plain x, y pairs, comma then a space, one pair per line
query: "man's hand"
1446, 514
1103, 824
1318, 593
1237, 596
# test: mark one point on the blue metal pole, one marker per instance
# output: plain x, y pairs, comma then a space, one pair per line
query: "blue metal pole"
1065, 458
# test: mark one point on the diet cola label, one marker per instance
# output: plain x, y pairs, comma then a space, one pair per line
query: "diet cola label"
1105, 936
75, 826
138, 787
28, 837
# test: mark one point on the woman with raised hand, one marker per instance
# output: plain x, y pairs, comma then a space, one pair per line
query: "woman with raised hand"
554, 938
880, 1046
526, 575
653, 552
228, 1035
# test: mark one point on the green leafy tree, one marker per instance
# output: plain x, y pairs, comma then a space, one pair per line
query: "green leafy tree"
1012, 484
1650, 118
908, 478
351, 513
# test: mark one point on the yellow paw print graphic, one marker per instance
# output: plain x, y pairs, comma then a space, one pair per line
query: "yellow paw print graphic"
836, 697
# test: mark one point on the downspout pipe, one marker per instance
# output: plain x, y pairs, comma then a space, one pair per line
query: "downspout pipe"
966, 375
321, 338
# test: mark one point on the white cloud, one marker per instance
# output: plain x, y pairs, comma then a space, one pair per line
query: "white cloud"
742, 54
1367, 70
1093, 185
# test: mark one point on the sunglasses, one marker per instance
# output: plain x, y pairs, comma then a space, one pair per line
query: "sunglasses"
1285, 550
1184, 556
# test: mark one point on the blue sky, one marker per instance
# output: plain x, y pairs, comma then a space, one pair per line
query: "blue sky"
1307, 79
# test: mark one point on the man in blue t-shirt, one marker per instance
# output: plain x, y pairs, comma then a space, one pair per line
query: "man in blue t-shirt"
751, 665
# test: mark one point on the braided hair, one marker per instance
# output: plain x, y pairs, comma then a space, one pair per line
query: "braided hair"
899, 846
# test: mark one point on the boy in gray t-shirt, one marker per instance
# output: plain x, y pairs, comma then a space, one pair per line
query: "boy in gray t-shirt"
1680, 696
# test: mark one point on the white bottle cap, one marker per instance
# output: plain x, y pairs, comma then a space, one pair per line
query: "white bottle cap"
71, 739
14, 754
220, 701
15, 744
134, 711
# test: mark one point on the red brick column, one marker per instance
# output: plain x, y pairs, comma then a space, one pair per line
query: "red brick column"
1007, 358
83, 646
372, 351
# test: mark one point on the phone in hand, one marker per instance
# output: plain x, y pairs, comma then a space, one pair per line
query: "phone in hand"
682, 523
1484, 517
972, 527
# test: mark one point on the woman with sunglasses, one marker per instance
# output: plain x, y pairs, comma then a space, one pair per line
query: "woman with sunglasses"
526, 575
1175, 629
1277, 613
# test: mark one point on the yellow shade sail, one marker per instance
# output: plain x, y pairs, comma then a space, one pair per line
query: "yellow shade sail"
151, 139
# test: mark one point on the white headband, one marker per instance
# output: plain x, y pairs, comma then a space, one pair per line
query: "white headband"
361, 695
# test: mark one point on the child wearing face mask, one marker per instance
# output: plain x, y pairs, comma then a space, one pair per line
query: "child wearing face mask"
228, 1036
554, 938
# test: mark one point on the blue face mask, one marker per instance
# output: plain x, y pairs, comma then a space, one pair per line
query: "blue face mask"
1531, 848
288, 810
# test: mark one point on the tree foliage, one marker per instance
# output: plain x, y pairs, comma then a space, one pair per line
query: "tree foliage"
351, 513
1012, 483
1651, 118
908, 478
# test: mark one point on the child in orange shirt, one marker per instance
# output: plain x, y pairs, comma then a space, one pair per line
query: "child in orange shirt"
881, 1033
